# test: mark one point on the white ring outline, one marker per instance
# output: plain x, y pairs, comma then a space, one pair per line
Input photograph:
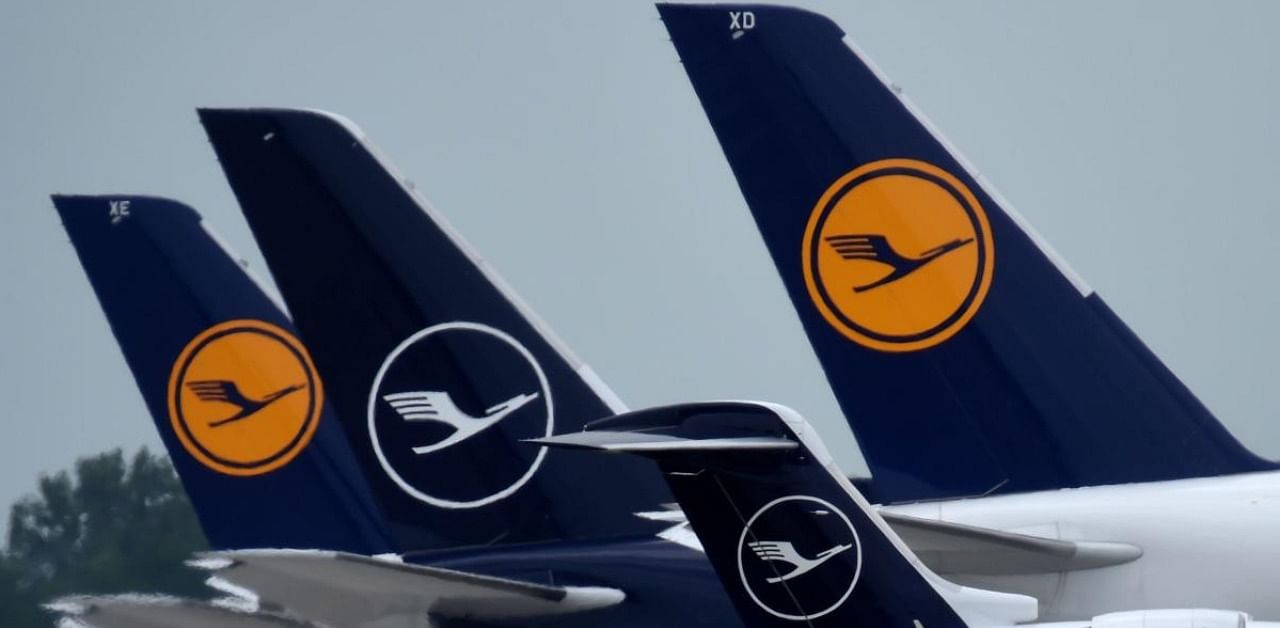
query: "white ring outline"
857, 546
372, 412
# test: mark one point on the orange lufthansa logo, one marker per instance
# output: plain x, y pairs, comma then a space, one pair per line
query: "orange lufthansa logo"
898, 255
244, 397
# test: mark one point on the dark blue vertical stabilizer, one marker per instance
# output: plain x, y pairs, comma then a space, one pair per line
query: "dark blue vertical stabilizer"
437, 370
231, 390
791, 540
966, 357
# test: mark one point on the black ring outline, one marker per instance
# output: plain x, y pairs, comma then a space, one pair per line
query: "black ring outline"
312, 415
973, 289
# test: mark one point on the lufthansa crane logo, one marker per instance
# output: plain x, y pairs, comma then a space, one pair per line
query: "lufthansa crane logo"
244, 397
446, 409
795, 556
898, 255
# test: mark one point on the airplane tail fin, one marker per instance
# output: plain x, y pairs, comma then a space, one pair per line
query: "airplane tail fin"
422, 346
966, 356
788, 535
205, 344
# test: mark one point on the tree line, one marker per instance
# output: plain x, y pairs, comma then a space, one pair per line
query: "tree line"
108, 525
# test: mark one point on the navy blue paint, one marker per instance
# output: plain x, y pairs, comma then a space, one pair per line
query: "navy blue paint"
1043, 389
361, 269
161, 281
722, 491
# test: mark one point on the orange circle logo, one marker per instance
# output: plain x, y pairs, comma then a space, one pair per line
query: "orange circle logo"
898, 255
244, 397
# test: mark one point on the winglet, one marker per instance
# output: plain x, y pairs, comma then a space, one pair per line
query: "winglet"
629, 442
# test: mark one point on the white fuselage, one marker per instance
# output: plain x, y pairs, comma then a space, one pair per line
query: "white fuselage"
1207, 543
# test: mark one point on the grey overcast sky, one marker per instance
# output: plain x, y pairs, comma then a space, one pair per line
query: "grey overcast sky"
564, 141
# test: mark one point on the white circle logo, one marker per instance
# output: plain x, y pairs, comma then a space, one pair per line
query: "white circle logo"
459, 395
794, 556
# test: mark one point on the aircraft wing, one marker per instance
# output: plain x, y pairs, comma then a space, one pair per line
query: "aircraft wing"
158, 611
955, 548
337, 588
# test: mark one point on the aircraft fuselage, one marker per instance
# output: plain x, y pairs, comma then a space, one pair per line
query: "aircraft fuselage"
1206, 542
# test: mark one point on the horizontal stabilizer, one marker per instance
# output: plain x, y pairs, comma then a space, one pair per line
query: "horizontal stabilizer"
343, 589
788, 535
631, 442
159, 611
950, 548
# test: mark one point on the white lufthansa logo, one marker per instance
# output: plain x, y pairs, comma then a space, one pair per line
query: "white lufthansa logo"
433, 405
779, 556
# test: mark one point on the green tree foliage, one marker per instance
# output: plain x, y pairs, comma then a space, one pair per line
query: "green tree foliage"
110, 527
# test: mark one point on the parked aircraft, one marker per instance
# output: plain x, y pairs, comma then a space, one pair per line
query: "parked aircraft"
318, 196
290, 528
968, 358
795, 543
1048, 544
184, 312
344, 191
926, 297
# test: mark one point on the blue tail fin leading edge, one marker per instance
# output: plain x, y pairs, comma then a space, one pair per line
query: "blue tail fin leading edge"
967, 358
235, 395
436, 369
791, 539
